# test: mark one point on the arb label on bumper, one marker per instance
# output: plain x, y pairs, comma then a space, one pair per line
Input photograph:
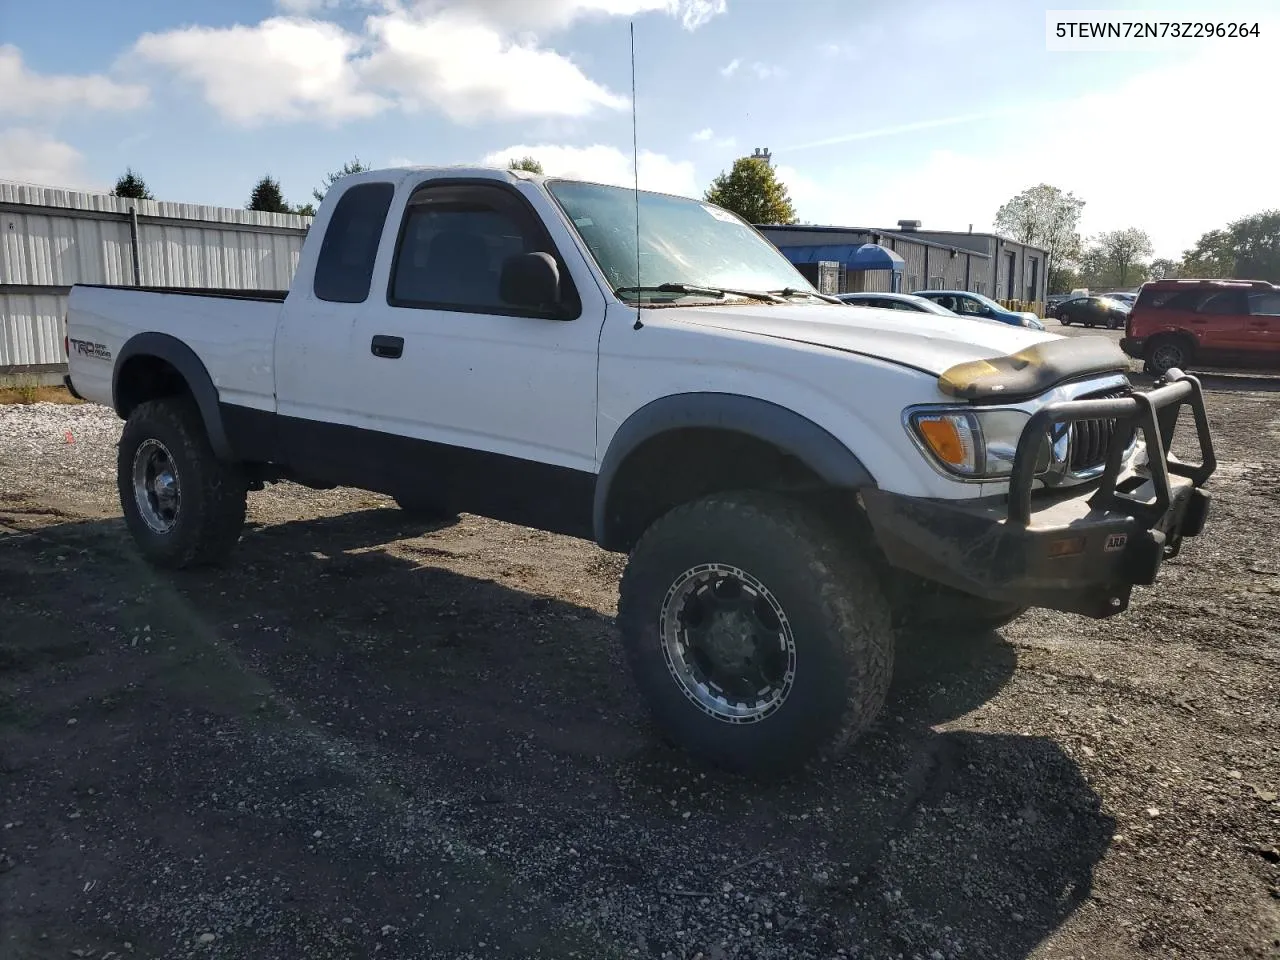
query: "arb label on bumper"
1116, 541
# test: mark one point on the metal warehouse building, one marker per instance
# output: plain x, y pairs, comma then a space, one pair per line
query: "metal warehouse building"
909, 258
51, 239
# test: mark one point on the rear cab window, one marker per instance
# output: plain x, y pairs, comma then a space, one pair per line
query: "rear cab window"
344, 267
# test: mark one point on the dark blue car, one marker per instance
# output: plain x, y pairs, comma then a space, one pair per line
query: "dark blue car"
976, 305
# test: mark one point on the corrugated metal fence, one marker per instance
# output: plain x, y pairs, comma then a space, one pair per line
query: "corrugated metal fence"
51, 239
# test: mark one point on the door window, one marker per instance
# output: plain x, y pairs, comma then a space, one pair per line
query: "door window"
1225, 303
453, 243
969, 307
1264, 304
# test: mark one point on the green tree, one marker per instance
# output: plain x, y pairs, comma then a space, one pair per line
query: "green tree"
1248, 248
131, 185
1117, 258
753, 191
267, 198
348, 168
1210, 259
1063, 279
1046, 217
526, 163
305, 209
1162, 268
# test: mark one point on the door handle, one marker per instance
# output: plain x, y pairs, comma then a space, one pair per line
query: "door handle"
1199, 320
389, 348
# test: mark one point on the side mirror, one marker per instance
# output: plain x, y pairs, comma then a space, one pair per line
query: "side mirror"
530, 280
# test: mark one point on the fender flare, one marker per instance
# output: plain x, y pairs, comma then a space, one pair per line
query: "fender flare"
785, 429
183, 359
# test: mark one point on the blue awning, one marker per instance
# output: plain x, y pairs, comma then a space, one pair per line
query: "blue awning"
867, 256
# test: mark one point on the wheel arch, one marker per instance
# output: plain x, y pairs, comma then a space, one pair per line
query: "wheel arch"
153, 365
725, 433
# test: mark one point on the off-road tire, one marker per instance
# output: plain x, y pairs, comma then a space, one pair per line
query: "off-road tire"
1157, 360
210, 514
835, 605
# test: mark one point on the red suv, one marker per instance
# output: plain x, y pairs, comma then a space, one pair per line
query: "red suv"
1175, 323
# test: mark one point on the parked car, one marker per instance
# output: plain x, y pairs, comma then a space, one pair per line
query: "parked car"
1179, 323
1125, 298
895, 301
976, 305
791, 479
1092, 312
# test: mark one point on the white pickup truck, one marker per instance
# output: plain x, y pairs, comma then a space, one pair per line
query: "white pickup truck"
795, 479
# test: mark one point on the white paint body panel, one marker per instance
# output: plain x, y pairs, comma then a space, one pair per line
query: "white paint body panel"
232, 337
554, 391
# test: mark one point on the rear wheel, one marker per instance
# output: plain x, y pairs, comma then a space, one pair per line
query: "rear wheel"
759, 639
1064, 319
183, 506
1165, 353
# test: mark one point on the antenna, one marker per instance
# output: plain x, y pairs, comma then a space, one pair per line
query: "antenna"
635, 163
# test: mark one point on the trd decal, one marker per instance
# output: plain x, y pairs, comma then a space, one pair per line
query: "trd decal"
98, 351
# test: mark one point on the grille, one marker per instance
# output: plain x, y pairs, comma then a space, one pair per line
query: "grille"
1090, 438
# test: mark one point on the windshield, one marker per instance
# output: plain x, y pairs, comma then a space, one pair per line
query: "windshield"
681, 242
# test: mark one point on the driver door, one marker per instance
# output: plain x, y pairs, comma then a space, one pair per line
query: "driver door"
499, 403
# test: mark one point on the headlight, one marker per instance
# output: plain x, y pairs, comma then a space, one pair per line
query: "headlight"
976, 444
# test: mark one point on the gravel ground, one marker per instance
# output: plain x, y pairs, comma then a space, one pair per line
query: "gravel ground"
369, 738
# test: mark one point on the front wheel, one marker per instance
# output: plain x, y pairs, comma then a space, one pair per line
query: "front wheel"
183, 506
1064, 319
759, 639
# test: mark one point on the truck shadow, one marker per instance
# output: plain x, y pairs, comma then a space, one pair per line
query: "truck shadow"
514, 712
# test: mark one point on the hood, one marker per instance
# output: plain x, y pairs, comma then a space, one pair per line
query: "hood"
924, 341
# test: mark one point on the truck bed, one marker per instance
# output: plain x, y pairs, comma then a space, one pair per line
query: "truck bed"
231, 332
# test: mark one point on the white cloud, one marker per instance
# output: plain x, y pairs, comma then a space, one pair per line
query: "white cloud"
33, 157
767, 71
467, 70
1176, 186
604, 164
533, 14
288, 68
302, 8
25, 93
703, 135
281, 69
730, 68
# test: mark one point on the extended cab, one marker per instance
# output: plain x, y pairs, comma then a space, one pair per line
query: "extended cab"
795, 479
1175, 323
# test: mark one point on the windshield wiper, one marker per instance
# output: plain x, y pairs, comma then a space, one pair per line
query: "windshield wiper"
693, 290
793, 292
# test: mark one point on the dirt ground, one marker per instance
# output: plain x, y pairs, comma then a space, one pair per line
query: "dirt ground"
369, 738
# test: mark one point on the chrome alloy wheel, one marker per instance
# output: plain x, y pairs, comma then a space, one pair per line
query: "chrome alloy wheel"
155, 486
728, 643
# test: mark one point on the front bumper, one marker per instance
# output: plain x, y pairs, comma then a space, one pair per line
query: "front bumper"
1081, 552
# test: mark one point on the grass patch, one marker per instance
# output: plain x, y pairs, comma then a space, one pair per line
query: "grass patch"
31, 392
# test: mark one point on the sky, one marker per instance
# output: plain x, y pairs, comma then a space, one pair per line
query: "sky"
930, 110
